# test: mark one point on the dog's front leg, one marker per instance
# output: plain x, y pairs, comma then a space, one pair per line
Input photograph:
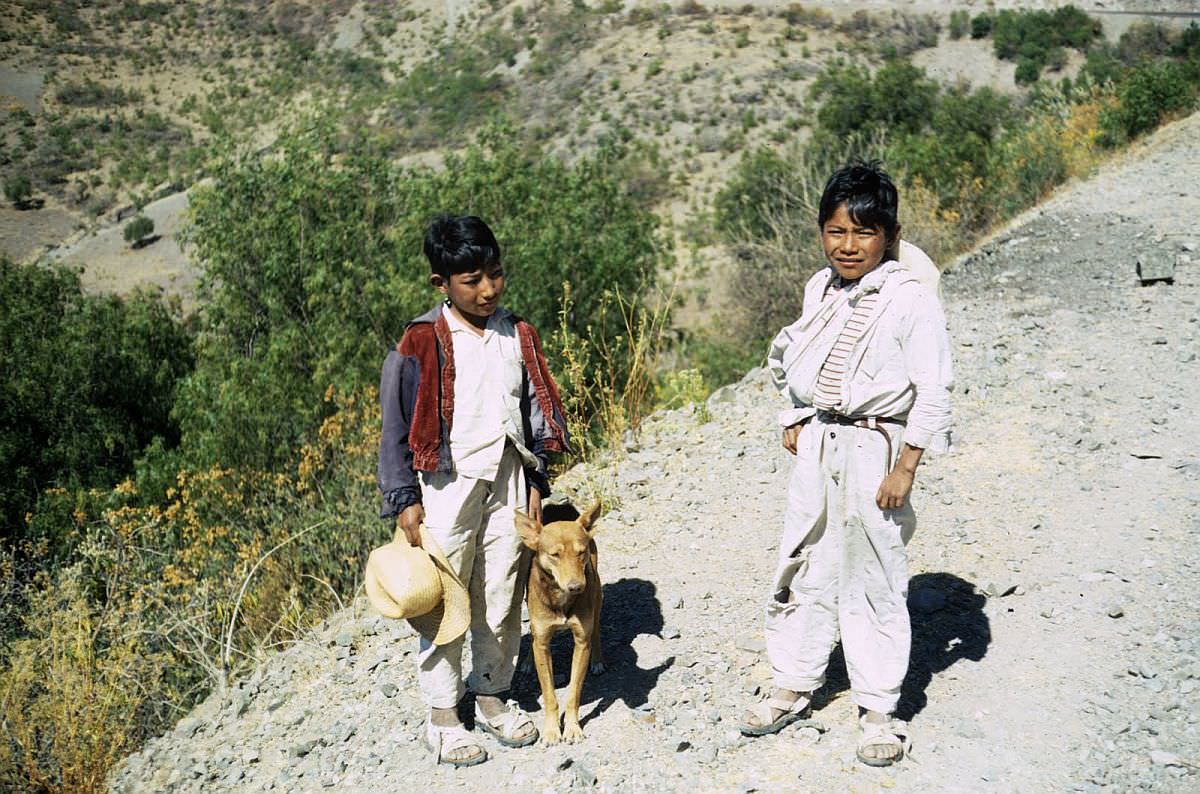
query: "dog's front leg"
579, 663
545, 674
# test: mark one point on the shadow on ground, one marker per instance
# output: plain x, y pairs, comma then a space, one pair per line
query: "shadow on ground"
948, 625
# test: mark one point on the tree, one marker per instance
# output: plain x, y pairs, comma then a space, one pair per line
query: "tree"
137, 230
313, 266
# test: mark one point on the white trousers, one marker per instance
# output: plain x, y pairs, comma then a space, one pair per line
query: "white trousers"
472, 521
842, 568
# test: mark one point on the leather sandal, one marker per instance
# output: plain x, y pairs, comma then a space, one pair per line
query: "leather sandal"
506, 727
442, 741
893, 735
762, 710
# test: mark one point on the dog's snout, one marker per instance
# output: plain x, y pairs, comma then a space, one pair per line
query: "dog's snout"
575, 587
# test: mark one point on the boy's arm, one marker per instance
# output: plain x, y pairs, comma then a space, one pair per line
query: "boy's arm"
397, 395
925, 345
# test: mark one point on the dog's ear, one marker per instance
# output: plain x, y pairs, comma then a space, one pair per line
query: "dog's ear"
527, 528
589, 516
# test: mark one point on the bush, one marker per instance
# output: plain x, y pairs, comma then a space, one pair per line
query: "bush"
1028, 71
899, 97
1150, 93
152, 616
981, 26
1031, 37
77, 692
138, 229
1143, 41
18, 189
960, 24
88, 382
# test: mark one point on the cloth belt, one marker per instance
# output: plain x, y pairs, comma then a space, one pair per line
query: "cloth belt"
868, 423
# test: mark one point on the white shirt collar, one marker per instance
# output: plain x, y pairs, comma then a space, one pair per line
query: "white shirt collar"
458, 326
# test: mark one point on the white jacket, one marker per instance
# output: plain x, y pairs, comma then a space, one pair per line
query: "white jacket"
900, 368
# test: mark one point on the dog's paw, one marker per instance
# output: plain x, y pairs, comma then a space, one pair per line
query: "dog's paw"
597, 668
550, 733
572, 733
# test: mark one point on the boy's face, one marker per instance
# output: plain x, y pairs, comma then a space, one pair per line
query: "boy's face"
854, 250
474, 295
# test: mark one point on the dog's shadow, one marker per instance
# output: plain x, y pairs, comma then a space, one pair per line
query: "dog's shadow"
631, 608
948, 625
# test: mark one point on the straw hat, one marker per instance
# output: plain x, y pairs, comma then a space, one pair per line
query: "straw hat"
419, 585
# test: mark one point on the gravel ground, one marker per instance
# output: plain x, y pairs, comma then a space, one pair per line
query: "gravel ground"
1054, 570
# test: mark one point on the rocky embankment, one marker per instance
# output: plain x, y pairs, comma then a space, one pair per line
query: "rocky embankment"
1055, 570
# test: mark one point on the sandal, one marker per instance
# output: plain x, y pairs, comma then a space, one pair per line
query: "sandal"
443, 741
892, 734
761, 711
506, 727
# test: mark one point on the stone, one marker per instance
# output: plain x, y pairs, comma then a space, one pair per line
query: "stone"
302, 748
1116, 611
752, 644
584, 777
388, 689
187, 727
1165, 758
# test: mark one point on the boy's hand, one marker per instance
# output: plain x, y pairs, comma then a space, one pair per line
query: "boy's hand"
790, 435
894, 489
534, 510
409, 524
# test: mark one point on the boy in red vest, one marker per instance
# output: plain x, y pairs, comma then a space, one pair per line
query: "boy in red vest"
470, 413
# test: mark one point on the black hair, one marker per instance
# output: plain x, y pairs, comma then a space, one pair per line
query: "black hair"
460, 244
868, 193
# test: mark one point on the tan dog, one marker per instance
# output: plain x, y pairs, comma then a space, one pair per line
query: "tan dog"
564, 593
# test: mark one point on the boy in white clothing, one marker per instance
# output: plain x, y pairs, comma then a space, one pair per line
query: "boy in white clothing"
867, 370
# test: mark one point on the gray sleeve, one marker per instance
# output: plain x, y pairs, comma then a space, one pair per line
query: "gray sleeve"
397, 397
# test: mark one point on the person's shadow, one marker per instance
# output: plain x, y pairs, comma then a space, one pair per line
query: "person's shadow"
631, 608
948, 624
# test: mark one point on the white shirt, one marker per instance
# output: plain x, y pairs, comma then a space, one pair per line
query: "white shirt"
899, 369
488, 382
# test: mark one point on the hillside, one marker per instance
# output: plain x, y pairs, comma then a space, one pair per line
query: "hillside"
1054, 568
113, 105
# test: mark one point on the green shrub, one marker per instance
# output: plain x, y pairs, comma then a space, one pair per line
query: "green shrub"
1142, 41
899, 97
1030, 37
88, 382
981, 26
18, 189
960, 24
1028, 71
1150, 93
138, 229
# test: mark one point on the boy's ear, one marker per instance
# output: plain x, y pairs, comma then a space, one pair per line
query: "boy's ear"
439, 282
528, 529
589, 516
